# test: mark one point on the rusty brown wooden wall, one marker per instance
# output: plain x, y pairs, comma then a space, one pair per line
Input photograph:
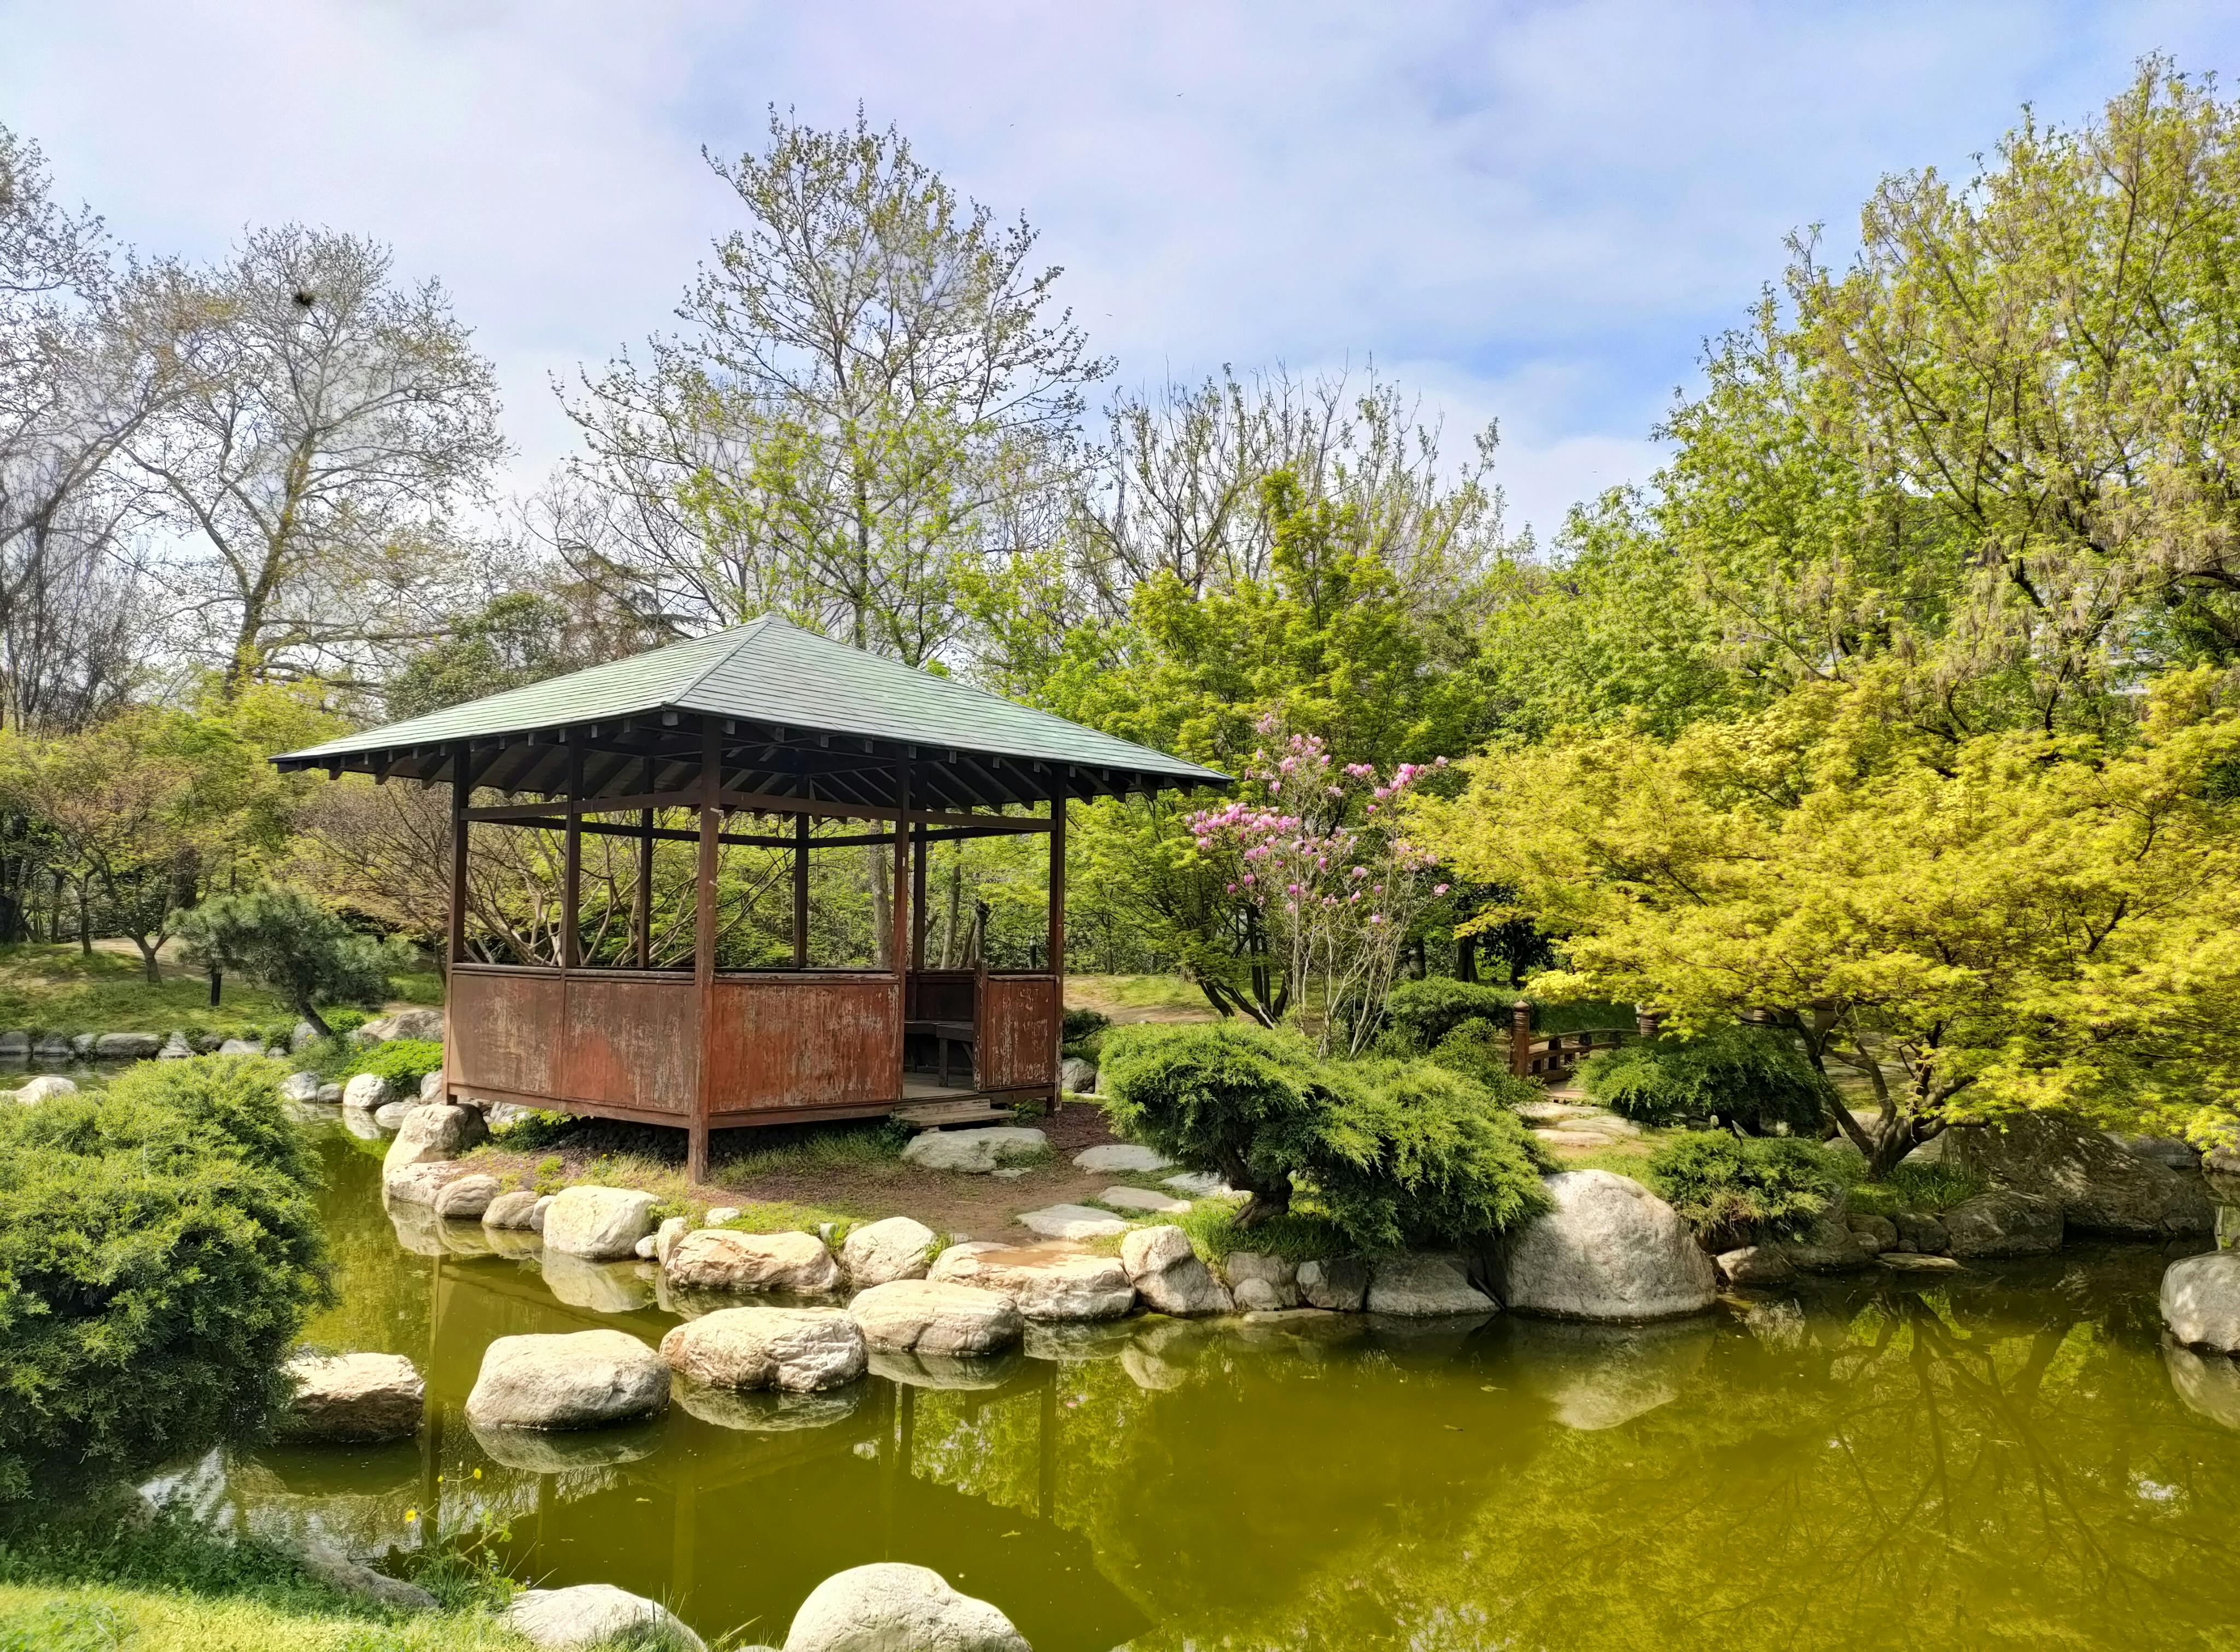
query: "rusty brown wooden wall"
1018, 1032
620, 1039
941, 995
787, 1041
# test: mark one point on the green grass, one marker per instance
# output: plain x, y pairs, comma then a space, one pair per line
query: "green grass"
418, 987
1297, 1235
1109, 993
56, 989
1930, 1189
112, 1580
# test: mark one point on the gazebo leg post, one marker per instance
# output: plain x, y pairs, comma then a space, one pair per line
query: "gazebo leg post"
695, 1152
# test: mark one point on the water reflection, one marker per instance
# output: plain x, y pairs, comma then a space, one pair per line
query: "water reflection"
2001, 1457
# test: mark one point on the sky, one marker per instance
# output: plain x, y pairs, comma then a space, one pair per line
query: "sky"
1530, 213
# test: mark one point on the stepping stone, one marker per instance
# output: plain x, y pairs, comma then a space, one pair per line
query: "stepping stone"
1587, 1139
1073, 1221
976, 1152
1122, 1158
1143, 1199
1553, 1112
1199, 1184
1907, 1261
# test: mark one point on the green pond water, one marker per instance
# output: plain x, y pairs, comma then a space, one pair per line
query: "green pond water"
2004, 1457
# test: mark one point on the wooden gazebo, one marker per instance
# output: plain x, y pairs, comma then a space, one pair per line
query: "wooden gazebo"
765, 721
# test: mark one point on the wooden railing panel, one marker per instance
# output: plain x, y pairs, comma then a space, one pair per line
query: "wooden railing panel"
807, 1041
941, 995
1018, 1032
630, 1040
505, 1027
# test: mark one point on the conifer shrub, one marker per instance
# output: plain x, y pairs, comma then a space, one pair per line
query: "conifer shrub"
1394, 1153
1740, 1189
1421, 1014
159, 1253
1755, 1078
403, 1062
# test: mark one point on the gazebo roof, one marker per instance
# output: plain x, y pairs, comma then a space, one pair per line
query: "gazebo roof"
795, 715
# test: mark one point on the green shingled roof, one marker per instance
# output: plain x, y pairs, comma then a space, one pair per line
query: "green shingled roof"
770, 673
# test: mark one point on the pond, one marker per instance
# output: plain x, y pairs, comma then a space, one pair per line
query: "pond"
2003, 1457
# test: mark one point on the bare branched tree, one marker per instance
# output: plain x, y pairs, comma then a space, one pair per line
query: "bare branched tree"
327, 427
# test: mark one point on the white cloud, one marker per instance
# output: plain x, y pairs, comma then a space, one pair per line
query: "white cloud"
1535, 211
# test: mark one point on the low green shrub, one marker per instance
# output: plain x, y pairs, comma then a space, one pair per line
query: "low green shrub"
1754, 1077
1391, 1153
1079, 1024
1238, 1099
159, 1251
1736, 1189
1421, 1014
1479, 1049
1930, 1189
403, 1062
1417, 1156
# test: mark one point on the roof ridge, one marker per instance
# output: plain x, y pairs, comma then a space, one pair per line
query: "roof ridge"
720, 656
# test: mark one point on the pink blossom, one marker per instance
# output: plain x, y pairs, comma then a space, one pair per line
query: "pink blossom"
1438, 888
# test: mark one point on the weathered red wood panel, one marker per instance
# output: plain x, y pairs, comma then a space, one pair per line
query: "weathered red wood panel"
506, 1029
630, 1040
1018, 1032
788, 1041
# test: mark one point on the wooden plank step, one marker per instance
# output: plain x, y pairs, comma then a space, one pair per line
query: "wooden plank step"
935, 1115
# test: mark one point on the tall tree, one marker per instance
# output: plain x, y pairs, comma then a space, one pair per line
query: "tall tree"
868, 382
328, 424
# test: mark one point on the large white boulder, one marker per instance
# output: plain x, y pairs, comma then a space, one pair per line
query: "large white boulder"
891, 1607
720, 1259
300, 1086
879, 1252
596, 1614
2201, 1301
578, 1380
799, 1350
405, 1023
46, 1084
2100, 1186
1426, 1285
1050, 1282
1609, 1250
422, 1184
1261, 1283
976, 1152
431, 1133
367, 1092
353, 1397
511, 1211
926, 1317
599, 1224
466, 1199
1169, 1277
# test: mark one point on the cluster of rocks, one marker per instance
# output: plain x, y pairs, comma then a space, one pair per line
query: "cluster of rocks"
2047, 1176
886, 1607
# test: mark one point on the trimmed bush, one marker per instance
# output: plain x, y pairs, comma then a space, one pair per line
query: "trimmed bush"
1079, 1024
403, 1062
1752, 1077
1228, 1097
1417, 1156
1736, 1189
1478, 1050
1421, 1013
1393, 1153
159, 1252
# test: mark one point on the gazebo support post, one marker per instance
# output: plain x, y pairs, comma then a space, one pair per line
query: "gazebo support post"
1057, 932
703, 951
571, 864
800, 891
919, 848
454, 942
642, 908
899, 940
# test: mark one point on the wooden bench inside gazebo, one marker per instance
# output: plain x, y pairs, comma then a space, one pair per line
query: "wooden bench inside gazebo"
781, 728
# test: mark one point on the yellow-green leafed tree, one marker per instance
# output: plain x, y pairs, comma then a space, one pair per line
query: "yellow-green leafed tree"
2021, 921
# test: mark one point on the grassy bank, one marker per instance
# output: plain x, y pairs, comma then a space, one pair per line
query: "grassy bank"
57, 988
115, 1580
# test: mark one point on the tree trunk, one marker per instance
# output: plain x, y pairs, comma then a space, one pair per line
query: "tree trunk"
147, 961
309, 1011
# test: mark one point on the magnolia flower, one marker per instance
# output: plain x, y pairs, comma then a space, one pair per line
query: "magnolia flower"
1439, 889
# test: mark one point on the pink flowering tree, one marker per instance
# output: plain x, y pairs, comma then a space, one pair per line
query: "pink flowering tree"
1322, 884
